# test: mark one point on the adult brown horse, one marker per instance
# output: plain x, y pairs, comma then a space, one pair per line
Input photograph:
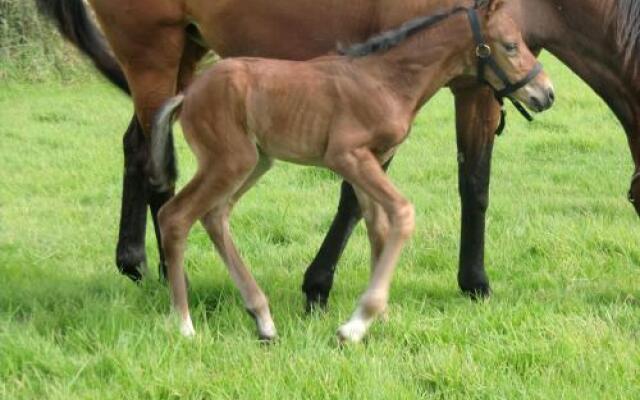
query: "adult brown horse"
157, 45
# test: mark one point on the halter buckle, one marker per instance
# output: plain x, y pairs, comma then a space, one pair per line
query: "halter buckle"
483, 51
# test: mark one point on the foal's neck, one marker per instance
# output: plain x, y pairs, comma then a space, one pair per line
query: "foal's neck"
419, 67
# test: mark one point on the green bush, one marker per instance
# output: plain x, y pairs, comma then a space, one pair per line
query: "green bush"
30, 47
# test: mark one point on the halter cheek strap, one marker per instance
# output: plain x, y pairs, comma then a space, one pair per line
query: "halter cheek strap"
486, 59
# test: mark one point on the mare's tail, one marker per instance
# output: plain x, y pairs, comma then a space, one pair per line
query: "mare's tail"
77, 26
164, 172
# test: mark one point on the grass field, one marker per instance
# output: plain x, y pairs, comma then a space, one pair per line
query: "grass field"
562, 254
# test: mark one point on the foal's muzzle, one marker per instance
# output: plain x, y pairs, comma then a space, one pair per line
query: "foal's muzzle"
542, 101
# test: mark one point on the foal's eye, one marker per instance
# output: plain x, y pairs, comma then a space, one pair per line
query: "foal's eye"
510, 47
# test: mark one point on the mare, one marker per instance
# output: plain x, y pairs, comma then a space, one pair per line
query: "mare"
345, 113
157, 44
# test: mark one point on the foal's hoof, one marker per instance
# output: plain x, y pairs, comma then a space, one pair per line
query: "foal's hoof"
187, 331
268, 335
352, 332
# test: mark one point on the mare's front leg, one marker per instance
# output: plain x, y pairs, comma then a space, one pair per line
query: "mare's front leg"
477, 117
318, 279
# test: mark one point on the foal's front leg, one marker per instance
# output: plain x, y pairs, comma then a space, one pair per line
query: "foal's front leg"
318, 279
363, 169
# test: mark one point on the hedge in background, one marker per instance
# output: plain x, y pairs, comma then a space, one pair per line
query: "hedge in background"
30, 47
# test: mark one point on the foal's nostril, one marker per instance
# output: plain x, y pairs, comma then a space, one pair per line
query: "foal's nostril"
536, 104
552, 97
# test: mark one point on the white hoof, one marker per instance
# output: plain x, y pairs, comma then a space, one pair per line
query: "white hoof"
267, 331
352, 332
186, 329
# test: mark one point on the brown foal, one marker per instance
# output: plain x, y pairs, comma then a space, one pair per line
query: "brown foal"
346, 113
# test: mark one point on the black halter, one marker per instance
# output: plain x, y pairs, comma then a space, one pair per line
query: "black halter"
485, 59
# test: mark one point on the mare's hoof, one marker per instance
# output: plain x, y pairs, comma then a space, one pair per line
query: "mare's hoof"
316, 288
477, 292
476, 286
132, 263
136, 272
318, 303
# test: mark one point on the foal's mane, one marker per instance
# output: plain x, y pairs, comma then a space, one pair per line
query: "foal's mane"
392, 38
627, 30
389, 39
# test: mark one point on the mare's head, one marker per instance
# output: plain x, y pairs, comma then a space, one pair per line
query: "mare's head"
504, 47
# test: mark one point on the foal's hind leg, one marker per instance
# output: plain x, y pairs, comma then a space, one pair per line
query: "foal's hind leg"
192, 54
176, 219
216, 222
362, 169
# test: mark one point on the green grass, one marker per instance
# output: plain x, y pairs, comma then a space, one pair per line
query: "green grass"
562, 253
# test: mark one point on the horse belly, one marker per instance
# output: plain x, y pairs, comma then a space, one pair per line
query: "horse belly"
284, 29
289, 128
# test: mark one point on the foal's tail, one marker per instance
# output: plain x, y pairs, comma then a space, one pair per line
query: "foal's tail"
77, 26
164, 172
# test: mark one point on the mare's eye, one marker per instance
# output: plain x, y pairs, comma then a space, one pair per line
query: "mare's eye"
510, 47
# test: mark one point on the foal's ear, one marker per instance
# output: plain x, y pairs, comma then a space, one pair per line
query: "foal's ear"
494, 5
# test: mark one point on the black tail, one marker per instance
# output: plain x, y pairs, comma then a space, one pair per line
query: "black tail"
164, 172
76, 25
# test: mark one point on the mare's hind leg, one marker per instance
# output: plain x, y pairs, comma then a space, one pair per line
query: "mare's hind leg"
131, 257
362, 169
216, 222
153, 54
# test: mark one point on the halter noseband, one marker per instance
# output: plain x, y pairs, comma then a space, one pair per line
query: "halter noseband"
486, 59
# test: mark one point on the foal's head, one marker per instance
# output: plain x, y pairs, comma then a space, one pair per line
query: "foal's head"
504, 47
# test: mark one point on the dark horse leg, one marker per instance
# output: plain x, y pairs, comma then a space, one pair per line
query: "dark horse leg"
131, 257
137, 192
477, 117
318, 279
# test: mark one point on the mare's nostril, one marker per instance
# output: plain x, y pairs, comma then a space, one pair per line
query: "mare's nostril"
552, 97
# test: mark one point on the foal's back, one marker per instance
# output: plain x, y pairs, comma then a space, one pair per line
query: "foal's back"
296, 111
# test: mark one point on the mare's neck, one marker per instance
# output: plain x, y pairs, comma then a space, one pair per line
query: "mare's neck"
581, 33
417, 68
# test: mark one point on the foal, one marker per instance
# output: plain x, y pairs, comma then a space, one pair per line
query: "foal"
346, 113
